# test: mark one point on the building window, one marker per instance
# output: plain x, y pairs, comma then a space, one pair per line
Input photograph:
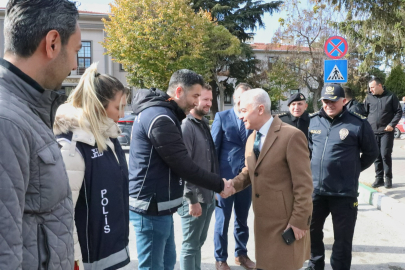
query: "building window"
272, 60
294, 68
84, 57
122, 68
227, 99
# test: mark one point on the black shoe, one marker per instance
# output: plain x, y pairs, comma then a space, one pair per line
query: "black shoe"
379, 182
388, 183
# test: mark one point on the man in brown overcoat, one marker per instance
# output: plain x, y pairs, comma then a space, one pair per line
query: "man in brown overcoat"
278, 168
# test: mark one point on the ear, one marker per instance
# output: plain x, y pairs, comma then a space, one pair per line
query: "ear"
53, 44
261, 109
179, 92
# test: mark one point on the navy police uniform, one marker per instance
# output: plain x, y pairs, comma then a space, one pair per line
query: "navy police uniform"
340, 148
301, 122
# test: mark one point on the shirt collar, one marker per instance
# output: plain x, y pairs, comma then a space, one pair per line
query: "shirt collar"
236, 112
265, 128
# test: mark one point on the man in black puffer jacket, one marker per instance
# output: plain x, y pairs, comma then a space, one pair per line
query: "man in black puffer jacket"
383, 112
158, 165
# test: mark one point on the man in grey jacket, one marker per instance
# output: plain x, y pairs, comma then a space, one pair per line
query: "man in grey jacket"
199, 203
42, 38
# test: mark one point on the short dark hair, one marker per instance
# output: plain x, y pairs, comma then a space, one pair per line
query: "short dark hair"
244, 86
27, 22
207, 87
376, 80
348, 92
184, 78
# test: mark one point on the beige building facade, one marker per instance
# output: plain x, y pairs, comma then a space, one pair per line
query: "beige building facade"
93, 34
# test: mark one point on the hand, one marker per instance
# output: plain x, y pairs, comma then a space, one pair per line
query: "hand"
195, 209
298, 233
389, 128
228, 189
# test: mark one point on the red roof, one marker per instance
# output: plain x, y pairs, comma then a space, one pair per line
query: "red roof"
277, 47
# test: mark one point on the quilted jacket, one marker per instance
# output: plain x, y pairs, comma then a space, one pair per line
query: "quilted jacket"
36, 210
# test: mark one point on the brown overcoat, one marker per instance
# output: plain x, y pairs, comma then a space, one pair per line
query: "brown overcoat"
281, 193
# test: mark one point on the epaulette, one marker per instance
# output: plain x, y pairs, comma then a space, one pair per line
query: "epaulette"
358, 115
282, 114
313, 114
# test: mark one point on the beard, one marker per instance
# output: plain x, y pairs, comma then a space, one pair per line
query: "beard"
200, 112
54, 75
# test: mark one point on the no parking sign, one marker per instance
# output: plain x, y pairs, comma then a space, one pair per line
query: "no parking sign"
336, 47
335, 71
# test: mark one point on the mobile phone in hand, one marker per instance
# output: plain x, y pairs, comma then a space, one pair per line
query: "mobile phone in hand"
288, 236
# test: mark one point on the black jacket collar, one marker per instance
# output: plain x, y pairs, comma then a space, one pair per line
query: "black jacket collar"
21, 74
145, 98
323, 114
304, 116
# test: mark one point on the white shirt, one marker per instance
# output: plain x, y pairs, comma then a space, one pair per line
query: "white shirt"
264, 130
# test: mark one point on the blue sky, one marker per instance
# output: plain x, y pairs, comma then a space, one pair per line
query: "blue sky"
262, 35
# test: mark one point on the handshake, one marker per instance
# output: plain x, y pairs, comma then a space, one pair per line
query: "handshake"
228, 189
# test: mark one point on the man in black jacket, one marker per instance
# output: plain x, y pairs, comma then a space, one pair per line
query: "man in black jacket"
158, 164
383, 112
342, 145
297, 115
352, 104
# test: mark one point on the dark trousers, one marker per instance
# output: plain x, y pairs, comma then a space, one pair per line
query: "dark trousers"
241, 202
344, 215
383, 163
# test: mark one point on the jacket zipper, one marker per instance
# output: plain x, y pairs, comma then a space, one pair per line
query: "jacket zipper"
169, 187
378, 113
51, 114
323, 154
41, 226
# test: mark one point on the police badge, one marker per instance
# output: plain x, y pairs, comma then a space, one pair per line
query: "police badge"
343, 133
329, 90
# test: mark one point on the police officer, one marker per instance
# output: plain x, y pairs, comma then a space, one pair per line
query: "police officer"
342, 145
297, 115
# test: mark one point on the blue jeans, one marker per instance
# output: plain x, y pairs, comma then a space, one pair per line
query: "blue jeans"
241, 202
154, 241
195, 231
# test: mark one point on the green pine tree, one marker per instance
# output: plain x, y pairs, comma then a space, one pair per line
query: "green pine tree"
241, 18
377, 25
396, 81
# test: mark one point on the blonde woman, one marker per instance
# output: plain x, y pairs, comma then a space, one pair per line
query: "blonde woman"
86, 127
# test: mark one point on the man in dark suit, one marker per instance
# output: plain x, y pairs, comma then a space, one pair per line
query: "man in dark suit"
230, 136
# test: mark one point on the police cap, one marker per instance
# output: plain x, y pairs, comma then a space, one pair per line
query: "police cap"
295, 97
332, 92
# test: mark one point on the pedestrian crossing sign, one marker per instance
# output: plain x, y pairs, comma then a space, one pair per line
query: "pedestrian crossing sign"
335, 71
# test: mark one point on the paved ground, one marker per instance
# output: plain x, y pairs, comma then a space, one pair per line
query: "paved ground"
379, 240
398, 169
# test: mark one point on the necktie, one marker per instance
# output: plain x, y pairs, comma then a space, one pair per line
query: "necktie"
256, 144
242, 131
